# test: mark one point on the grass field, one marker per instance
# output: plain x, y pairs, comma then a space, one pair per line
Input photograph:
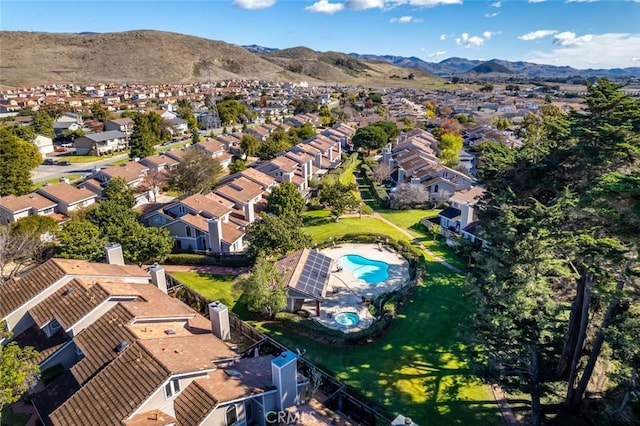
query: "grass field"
210, 286
418, 368
72, 178
349, 225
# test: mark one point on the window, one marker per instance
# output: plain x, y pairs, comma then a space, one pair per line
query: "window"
435, 189
188, 231
172, 388
232, 415
181, 209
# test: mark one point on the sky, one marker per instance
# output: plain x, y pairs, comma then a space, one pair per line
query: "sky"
577, 33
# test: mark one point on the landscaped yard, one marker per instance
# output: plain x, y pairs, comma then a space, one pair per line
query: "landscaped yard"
418, 368
210, 286
349, 225
71, 177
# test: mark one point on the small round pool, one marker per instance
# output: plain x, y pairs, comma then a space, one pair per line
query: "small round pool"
367, 270
347, 318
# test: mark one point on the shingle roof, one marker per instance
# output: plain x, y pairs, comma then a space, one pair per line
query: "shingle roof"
116, 392
98, 341
210, 204
18, 291
193, 405
69, 304
105, 136
240, 190
34, 200
66, 193
450, 213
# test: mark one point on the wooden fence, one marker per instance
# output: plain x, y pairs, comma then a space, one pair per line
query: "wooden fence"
338, 398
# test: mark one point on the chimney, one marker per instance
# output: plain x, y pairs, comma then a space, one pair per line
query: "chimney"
158, 277
287, 177
114, 254
249, 212
415, 181
284, 373
331, 154
386, 154
400, 175
219, 317
466, 216
318, 159
215, 234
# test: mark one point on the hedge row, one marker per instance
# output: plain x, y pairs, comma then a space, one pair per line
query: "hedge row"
378, 191
235, 261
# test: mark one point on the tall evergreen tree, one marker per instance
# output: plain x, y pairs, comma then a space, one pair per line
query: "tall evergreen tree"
143, 139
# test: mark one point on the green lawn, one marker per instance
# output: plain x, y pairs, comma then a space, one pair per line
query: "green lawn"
419, 367
406, 219
120, 162
349, 225
71, 177
210, 286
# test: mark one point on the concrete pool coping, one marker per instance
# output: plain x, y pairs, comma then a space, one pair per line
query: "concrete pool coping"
345, 291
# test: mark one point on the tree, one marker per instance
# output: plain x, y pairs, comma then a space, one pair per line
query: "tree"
270, 149
486, 88
407, 195
140, 244
501, 123
119, 191
369, 137
435, 230
17, 159
450, 146
390, 129
339, 197
197, 172
185, 111
249, 145
21, 244
43, 124
143, 138
80, 240
154, 181
381, 172
285, 200
264, 290
18, 372
277, 235
99, 112
304, 132
108, 213
237, 165
232, 111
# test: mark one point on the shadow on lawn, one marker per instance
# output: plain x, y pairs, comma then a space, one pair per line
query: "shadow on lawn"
420, 366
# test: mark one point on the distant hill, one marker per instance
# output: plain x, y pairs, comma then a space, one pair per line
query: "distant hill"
455, 66
490, 67
145, 56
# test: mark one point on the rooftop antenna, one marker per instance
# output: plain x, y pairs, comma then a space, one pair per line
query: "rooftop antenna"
212, 119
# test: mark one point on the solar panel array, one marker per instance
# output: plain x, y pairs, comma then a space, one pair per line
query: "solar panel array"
314, 274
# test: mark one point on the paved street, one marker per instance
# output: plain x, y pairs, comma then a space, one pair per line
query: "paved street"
43, 173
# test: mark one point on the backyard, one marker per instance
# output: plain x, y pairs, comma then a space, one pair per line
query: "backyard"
419, 367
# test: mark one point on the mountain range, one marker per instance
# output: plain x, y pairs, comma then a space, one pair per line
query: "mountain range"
151, 57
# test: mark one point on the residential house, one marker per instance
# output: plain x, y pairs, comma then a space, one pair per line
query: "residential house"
68, 198
306, 273
13, 208
216, 150
133, 174
101, 143
44, 144
127, 353
159, 163
461, 216
125, 125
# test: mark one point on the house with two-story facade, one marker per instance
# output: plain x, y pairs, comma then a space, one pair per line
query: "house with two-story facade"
101, 143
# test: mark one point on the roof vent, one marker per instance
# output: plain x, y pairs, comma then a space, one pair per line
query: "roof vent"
233, 372
68, 291
408, 421
120, 347
169, 332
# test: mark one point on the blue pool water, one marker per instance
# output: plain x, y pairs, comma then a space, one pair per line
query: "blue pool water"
367, 270
347, 318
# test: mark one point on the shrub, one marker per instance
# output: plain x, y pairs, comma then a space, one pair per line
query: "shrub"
236, 261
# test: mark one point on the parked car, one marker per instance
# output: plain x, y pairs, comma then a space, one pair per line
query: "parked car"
64, 163
66, 145
49, 162
167, 143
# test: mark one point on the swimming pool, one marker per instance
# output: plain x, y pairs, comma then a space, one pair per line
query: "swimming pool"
347, 318
367, 270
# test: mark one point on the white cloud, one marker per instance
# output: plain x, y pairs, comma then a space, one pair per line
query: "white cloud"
534, 35
491, 15
488, 34
496, 4
323, 6
536, 1
568, 38
421, 3
405, 20
364, 4
253, 4
443, 37
436, 54
469, 42
611, 50
580, 1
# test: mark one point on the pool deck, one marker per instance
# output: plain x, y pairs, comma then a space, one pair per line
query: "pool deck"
345, 291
